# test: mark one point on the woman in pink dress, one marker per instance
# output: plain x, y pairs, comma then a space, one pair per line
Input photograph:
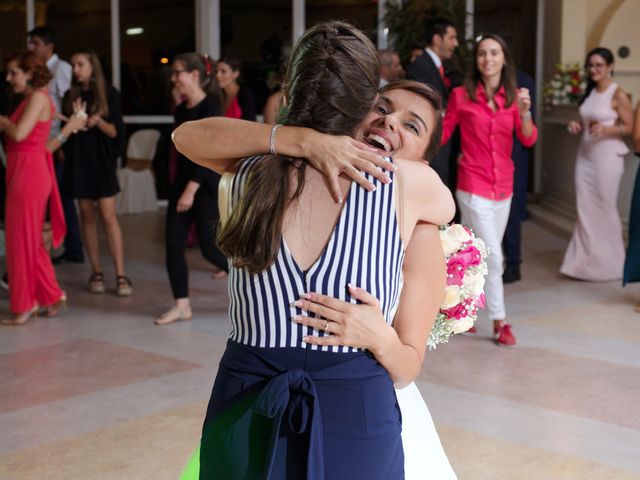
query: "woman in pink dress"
31, 185
596, 251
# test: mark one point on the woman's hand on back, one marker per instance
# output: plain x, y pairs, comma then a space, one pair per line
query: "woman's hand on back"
360, 326
333, 155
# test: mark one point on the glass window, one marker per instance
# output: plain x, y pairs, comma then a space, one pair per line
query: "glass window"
13, 25
151, 33
361, 13
259, 33
79, 24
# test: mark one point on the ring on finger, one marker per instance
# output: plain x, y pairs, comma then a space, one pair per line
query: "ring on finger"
326, 327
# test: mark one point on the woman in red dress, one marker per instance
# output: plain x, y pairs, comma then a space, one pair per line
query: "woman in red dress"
238, 101
31, 185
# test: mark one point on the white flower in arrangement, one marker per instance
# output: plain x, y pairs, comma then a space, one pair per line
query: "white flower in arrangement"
568, 88
452, 238
473, 282
451, 296
462, 325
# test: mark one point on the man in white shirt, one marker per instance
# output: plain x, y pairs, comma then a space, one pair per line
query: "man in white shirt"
41, 41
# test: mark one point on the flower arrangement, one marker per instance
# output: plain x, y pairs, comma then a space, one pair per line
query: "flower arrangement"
466, 257
566, 87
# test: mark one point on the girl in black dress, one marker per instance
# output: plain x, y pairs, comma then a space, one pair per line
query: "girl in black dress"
193, 194
91, 156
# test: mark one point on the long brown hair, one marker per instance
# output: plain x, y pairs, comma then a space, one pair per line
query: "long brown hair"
205, 67
507, 76
434, 98
97, 86
331, 85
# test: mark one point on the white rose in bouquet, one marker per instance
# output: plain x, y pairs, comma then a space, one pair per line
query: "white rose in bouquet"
452, 237
474, 283
451, 297
462, 325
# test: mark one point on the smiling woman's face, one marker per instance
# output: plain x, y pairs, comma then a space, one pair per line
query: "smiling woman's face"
401, 124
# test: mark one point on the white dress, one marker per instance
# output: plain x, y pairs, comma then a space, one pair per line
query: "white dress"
424, 457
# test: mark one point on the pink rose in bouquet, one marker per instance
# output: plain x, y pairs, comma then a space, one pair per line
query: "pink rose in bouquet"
466, 257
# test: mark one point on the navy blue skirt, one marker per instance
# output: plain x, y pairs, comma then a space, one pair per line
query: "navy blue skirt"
295, 413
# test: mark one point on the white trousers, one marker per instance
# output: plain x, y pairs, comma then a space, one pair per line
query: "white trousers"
488, 219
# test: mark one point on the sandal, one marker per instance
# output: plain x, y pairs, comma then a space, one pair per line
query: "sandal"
124, 287
53, 310
21, 318
96, 283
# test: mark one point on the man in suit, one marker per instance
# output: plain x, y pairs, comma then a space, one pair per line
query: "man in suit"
441, 42
512, 240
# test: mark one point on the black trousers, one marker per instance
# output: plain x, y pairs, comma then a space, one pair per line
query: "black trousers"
73, 240
512, 240
205, 213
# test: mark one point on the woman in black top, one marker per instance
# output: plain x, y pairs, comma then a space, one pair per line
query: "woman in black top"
91, 161
193, 195
238, 102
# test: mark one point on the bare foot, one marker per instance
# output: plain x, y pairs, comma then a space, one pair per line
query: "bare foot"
175, 314
219, 274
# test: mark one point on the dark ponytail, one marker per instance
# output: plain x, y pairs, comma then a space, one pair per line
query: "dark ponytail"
331, 85
608, 57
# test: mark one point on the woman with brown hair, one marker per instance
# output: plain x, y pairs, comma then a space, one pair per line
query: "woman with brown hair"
31, 185
237, 100
391, 128
287, 238
193, 193
489, 109
91, 156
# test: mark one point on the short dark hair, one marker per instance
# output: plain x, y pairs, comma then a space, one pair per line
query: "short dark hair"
437, 26
45, 33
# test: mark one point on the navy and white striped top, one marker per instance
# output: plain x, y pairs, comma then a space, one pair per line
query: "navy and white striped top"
365, 250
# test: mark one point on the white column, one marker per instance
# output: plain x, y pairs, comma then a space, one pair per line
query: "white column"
298, 20
208, 27
537, 163
31, 15
115, 43
468, 20
383, 31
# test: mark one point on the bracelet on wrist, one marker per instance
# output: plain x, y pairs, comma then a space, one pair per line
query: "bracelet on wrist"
272, 139
526, 116
61, 137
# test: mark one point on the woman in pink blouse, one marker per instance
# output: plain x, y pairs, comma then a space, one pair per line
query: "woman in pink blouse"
489, 109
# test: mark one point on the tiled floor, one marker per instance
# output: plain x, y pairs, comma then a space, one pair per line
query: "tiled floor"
102, 393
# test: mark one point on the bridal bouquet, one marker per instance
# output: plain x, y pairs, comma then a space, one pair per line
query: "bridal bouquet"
466, 257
